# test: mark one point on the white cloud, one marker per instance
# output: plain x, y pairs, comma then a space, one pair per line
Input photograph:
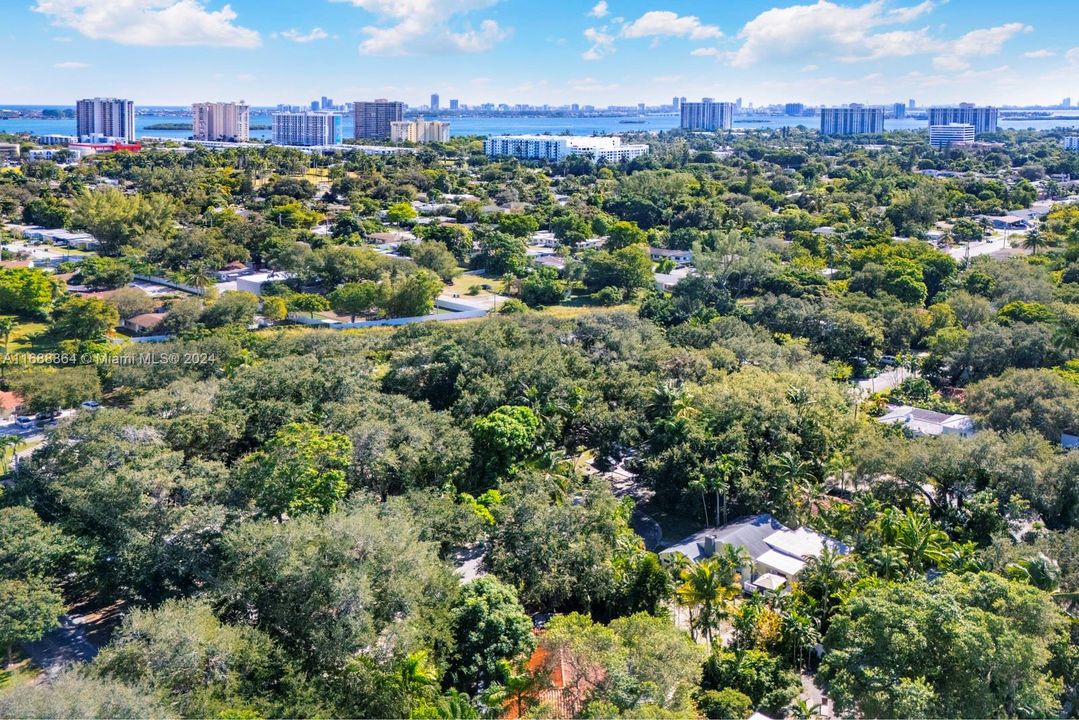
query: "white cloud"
599, 9
298, 37
704, 52
415, 27
150, 22
908, 14
859, 33
602, 43
1072, 56
71, 65
1037, 54
977, 43
810, 68
661, 23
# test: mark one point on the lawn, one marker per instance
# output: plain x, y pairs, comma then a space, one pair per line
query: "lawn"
462, 283
30, 336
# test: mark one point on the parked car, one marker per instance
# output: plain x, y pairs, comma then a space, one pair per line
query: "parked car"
25, 422
90, 405
888, 361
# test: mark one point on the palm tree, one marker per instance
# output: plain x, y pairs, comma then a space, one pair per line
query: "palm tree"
800, 634
923, 544
6, 326
802, 710
729, 467
415, 678
706, 586
698, 485
1034, 240
790, 471
519, 689
823, 576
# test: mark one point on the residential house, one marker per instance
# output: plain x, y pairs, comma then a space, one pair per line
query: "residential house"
777, 553
144, 323
681, 258
919, 421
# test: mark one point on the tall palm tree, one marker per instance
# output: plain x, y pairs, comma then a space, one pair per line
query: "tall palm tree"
6, 326
698, 485
706, 586
1034, 240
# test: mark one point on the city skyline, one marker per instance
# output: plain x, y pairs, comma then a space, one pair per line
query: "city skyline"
478, 51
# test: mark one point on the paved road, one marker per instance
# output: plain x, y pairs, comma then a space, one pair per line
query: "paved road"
64, 646
998, 246
886, 380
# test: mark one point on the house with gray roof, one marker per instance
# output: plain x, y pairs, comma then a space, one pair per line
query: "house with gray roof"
778, 553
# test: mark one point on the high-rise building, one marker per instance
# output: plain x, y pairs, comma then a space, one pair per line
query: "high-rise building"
852, 120
372, 119
455, 104
306, 128
316, 105
911, 104
1067, 102
327, 103
419, 131
221, 121
105, 117
1071, 142
943, 136
707, 115
899, 110
984, 119
794, 109
434, 102
675, 104
738, 104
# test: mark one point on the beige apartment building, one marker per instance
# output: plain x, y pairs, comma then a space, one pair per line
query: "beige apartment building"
221, 121
419, 131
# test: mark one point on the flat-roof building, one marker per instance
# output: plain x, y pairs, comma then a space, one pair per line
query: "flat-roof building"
106, 118
984, 119
707, 115
852, 120
558, 147
372, 119
419, 131
306, 128
943, 136
1071, 142
220, 121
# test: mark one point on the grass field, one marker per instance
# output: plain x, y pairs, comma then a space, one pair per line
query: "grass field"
462, 283
30, 336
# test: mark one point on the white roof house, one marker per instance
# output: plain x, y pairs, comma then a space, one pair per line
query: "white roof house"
920, 421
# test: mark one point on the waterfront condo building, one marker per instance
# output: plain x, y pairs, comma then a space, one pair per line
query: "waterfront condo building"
984, 119
306, 128
105, 118
707, 115
943, 136
558, 147
419, 131
852, 120
226, 121
373, 118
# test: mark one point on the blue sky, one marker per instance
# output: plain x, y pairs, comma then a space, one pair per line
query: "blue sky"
557, 51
